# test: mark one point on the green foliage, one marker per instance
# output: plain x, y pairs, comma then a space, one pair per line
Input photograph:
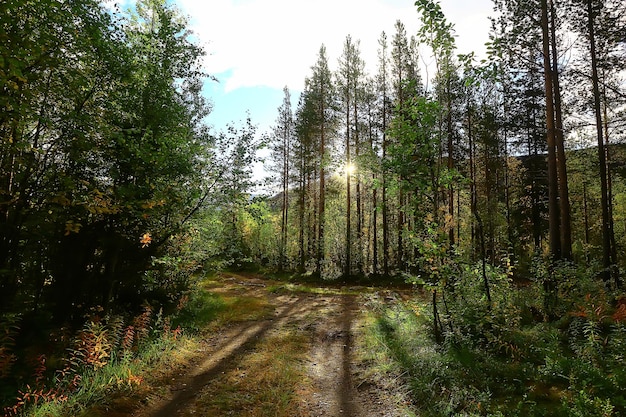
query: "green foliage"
435, 30
469, 310
438, 387
506, 360
199, 308
105, 161
412, 155
105, 148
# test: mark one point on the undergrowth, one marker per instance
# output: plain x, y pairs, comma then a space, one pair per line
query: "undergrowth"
506, 359
108, 357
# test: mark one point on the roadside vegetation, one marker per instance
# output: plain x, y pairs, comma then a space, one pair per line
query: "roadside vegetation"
113, 356
505, 361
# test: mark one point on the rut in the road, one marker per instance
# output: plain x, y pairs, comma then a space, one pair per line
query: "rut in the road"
330, 366
329, 322
236, 341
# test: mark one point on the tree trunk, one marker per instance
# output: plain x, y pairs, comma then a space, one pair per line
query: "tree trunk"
610, 189
450, 163
359, 209
285, 200
564, 205
301, 253
473, 197
374, 228
553, 186
400, 227
322, 201
606, 231
348, 264
384, 196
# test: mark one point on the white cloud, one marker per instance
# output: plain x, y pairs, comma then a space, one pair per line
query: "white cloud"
275, 42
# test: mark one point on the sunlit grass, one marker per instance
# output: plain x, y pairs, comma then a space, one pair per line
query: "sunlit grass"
376, 366
244, 308
312, 289
398, 350
151, 368
517, 372
266, 383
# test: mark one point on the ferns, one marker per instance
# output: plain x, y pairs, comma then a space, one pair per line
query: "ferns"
101, 347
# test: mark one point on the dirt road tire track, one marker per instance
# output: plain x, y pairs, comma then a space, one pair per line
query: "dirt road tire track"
236, 340
329, 321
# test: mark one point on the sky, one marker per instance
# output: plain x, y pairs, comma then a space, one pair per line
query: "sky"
257, 47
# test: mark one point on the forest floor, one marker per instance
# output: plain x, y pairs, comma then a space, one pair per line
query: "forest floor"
278, 350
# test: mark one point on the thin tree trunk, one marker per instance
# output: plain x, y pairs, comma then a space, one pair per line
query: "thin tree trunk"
359, 209
347, 267
384, 196
301, 254
507, 183
285, 200
610, 188
322, 205
553, 186
586, 217
473, 197
483, 256
400, 227
450, 163
606, 231
436, 320
374, 228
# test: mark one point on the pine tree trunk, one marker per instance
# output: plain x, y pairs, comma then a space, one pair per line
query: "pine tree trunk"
321, 209
301, 252
400, 227
606, 231
610, 189
348, 264
564, 205
359, 208
384, 196
450, 164
553, 186
473, 197
374, 227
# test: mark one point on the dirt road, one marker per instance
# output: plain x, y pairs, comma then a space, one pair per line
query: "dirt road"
327, 323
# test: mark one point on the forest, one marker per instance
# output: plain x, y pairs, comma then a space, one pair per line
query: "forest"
496, 189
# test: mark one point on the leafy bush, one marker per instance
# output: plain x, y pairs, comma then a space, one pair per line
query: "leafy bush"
197, 308
475, 315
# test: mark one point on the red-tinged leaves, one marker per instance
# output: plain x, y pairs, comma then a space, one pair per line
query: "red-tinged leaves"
145, 240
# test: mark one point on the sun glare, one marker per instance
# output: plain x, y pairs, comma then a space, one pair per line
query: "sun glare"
350, 169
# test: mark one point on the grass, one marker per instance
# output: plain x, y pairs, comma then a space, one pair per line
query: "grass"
202, 308
311, 289
525, 371
266, 384
377, 367
99, 388
244, 308
150, 368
